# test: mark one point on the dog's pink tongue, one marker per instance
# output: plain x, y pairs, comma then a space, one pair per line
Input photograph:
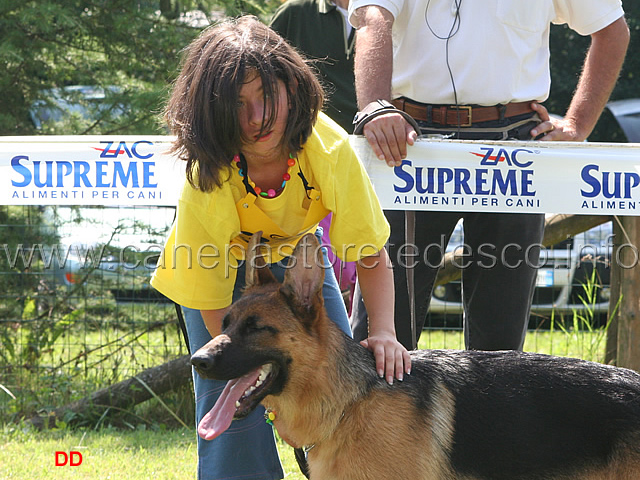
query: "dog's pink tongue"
219, 418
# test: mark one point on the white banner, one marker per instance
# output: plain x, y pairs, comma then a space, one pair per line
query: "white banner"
532, 177
89, 170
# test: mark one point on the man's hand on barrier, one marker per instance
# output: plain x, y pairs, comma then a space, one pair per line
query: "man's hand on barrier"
389, 135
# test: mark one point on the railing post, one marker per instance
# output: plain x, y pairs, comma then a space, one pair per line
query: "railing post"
626, 272
611, 353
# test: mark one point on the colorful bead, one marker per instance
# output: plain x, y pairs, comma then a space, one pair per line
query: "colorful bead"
271, 192
269, 416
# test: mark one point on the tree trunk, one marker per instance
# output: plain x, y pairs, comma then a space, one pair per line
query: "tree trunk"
123, 395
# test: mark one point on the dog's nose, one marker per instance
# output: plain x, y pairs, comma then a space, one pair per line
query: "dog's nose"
202, 362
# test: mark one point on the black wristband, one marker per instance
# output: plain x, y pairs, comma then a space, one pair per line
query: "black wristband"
375, 109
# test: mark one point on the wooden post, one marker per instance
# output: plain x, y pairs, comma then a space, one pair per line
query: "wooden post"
626, 260
611, 350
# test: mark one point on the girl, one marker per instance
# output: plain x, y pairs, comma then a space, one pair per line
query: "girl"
260, 156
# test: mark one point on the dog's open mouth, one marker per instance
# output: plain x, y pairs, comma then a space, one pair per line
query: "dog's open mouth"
239, 397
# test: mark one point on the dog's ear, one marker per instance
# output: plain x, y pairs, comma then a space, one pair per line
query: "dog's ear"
305, 275
256, 270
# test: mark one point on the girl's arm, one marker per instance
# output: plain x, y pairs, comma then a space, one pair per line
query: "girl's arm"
213, 320
376, 283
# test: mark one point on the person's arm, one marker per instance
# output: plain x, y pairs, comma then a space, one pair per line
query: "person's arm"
602, 66
213, 320
387, 134
376, 283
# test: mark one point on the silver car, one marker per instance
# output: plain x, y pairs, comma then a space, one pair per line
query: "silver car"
573, 276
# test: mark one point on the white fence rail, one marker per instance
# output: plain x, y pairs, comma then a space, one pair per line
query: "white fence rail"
530, 177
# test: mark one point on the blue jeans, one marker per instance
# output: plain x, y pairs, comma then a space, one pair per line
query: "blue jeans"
247, 450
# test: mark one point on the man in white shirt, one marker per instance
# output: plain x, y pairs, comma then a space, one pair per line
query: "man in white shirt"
474, 70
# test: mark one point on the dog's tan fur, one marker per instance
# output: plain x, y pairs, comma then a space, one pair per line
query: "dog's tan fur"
354, 425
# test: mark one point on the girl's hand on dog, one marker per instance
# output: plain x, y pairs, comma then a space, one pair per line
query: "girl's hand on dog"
392, 359
375, 275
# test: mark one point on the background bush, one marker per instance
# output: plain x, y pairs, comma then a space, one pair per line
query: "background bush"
135, 45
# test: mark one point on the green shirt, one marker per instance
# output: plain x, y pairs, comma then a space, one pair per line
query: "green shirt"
317, 29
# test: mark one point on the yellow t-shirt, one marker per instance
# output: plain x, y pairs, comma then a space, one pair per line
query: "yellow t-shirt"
197, 268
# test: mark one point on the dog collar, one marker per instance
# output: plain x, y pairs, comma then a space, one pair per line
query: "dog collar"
308, 448
270, 416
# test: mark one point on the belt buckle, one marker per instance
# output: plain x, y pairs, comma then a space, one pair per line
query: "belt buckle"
468, 108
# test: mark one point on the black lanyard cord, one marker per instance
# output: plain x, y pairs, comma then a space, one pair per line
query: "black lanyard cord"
243, 169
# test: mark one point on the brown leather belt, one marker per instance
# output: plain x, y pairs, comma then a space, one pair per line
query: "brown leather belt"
461, 115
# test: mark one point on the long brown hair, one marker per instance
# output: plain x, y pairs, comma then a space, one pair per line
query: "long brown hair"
202, 110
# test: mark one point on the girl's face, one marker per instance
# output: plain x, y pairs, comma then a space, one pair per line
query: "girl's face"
252, 111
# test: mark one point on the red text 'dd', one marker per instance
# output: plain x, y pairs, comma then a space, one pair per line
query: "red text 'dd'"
72, 459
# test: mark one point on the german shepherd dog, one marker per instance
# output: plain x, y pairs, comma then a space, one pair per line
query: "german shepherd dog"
465, 415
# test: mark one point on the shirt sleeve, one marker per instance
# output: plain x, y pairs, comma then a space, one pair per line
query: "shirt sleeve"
196, 268
280, 20
358, 228
393, 6
587, 16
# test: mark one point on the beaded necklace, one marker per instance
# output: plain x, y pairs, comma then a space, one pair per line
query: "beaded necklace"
241, 163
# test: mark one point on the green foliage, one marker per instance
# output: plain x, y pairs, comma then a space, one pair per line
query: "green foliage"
131, 45
123, 43
59, 343
135, 45
263, 9
51, 363
19, 287
585, 320
134, 454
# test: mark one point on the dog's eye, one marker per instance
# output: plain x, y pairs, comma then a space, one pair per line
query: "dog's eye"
253, 324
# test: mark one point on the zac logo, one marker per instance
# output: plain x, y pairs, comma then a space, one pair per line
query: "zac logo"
122, 148
489, 158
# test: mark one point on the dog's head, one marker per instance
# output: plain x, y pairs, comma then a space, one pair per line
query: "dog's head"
262, 332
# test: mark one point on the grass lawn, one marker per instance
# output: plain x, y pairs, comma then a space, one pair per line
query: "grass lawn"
109, 454
588, 345
106, 454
